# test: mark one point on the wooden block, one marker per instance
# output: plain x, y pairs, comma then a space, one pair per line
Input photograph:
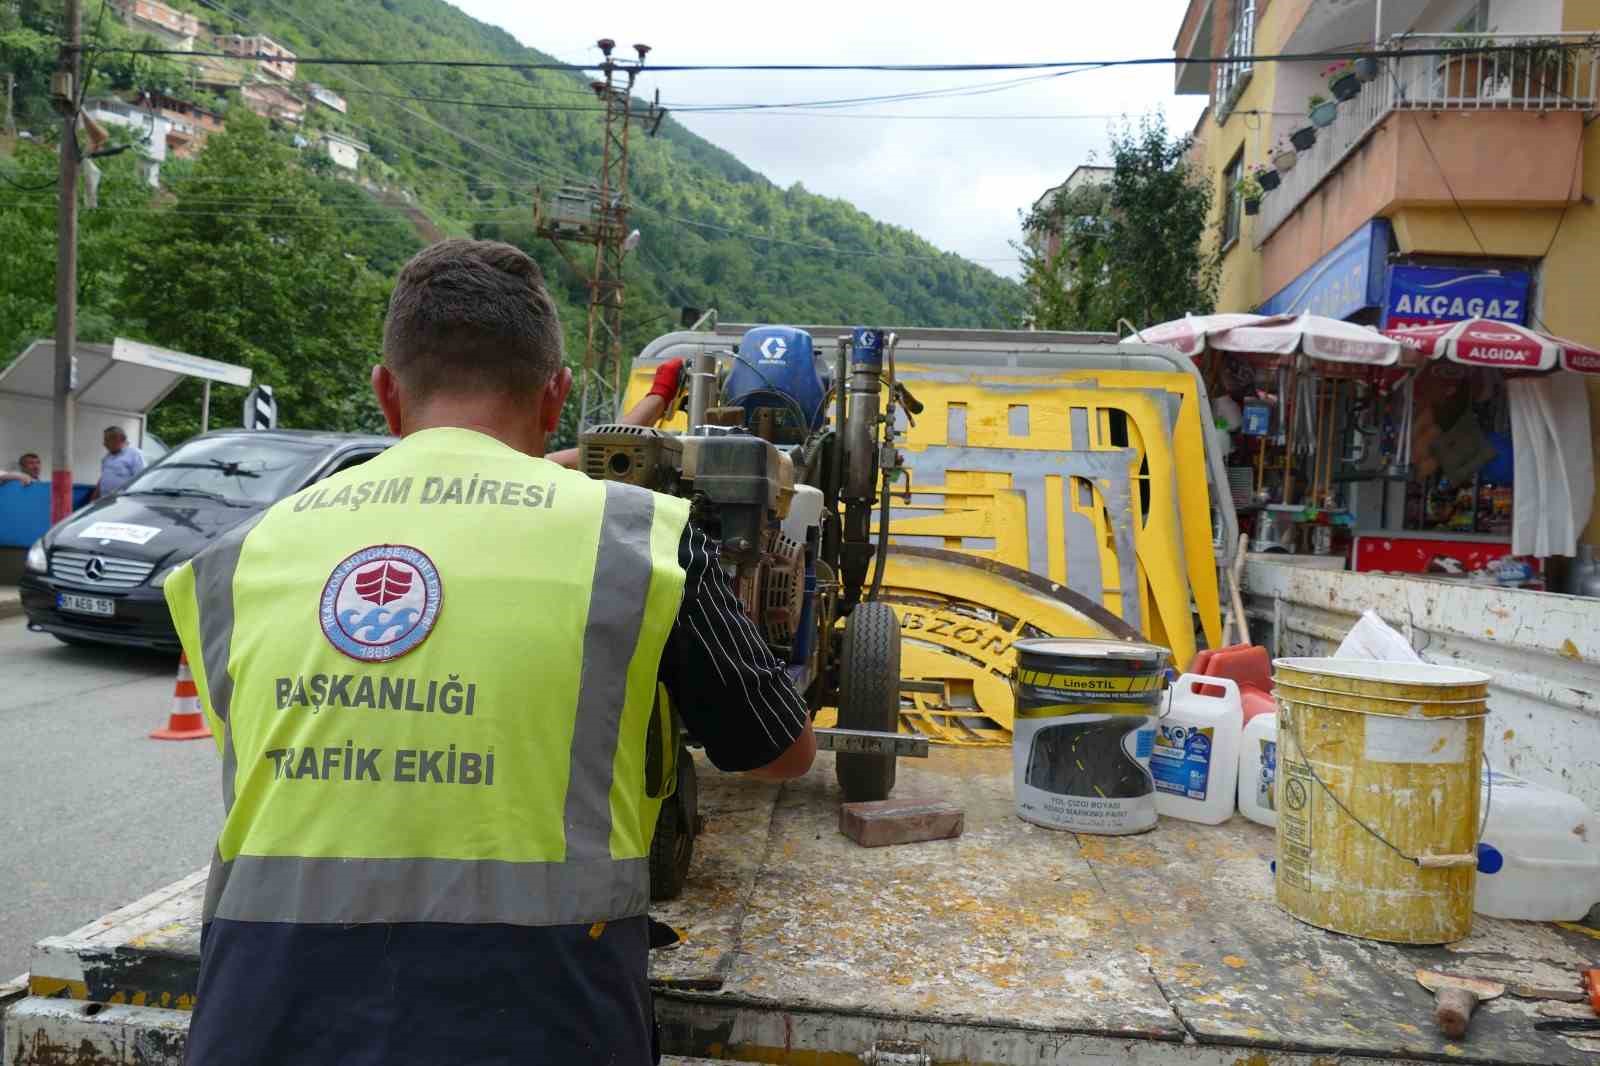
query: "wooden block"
900, 821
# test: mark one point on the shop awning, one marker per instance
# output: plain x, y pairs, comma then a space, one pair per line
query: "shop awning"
1317, 336
1502, 345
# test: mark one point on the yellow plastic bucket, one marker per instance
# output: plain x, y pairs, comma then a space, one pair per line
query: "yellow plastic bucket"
1378, 796
1393, 681
1403, 708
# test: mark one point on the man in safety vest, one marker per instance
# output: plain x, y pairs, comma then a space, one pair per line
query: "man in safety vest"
434, 682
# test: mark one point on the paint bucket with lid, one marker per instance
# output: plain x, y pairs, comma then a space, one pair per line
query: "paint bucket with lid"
1378, 796
1084, 728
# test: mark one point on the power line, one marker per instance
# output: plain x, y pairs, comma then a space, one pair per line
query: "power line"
854, 253
977, 89
1467, 219
754, 110
396, 214
793, 68
51, 184
1105, 116
493, 105
177, 210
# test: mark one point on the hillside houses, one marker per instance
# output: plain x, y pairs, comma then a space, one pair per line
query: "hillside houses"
272, 57
257, 70
179, 29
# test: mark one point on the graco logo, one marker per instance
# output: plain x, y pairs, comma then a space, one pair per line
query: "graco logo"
380, 602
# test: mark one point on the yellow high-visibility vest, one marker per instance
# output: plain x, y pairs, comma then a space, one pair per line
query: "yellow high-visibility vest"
431, 678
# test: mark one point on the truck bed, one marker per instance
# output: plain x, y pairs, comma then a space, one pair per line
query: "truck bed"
1011, 944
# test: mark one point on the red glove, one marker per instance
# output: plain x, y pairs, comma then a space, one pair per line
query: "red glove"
666, 382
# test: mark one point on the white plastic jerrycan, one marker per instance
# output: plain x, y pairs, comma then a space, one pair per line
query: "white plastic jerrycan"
1258, 769
1540, 855
1195, 761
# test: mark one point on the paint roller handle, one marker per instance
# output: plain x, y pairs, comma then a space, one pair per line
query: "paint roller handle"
1452, 1010
1444, 862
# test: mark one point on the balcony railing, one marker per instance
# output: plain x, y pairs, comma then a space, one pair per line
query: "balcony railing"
1233, 77
1500, 72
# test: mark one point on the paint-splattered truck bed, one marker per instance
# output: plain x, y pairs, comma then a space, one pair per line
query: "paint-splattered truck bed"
1011, 944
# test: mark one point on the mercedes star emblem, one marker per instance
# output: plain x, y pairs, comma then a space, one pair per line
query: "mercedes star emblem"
95, 568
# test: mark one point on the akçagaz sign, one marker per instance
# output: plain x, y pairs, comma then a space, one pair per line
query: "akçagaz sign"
1422, 295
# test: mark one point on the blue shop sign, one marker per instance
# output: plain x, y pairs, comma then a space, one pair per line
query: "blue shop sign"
1420, 295
1346, 280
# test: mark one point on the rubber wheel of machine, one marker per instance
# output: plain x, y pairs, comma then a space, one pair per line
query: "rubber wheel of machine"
672, 847
869, 698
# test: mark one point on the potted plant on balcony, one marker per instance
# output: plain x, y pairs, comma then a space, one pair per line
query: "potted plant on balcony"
1366, 68
1462, 72
1342, 81
1303, 138
1249, 189
1533, 70
1321, 110
1284, 155
1270, 179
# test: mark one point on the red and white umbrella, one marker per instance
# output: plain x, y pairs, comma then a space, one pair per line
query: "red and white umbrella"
1190, 334
1329, 339
1319, 337
1506, 345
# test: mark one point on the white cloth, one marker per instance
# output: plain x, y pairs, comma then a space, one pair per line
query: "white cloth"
1554, 490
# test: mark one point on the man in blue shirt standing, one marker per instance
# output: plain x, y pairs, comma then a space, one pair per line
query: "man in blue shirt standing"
121, 463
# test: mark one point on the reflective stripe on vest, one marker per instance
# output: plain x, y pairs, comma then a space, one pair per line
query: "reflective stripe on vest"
552, 823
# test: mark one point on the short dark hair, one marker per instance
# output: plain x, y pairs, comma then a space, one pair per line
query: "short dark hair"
118, 430
472, 316
28, 455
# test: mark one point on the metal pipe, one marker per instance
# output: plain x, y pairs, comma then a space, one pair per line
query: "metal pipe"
861, 422
880, 559
205, 406
841, 372
702, 387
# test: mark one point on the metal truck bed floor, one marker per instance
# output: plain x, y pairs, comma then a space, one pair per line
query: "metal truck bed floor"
1010, 944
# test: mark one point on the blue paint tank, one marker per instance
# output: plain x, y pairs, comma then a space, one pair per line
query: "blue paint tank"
777, 364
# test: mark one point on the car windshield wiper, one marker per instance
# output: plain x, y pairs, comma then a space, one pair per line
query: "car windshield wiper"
202, 493
235, 469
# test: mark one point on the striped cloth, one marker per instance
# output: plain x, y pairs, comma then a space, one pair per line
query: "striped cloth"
733, 693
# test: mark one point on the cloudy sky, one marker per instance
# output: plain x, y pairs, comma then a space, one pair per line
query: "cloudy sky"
958, 181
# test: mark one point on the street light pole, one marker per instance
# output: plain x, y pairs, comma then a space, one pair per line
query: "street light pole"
67, 93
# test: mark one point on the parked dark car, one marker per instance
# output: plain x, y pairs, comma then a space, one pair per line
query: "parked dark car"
96, 576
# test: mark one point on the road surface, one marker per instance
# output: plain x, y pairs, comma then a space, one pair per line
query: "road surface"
92, 813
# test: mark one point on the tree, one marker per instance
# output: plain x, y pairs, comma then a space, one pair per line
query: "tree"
1132, 249
28, 246
249, 267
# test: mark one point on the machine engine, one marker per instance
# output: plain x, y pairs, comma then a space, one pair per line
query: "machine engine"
742, 489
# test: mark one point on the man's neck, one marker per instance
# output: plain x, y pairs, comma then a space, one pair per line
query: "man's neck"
514, 429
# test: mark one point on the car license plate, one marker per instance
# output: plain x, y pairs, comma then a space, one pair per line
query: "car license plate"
86, 604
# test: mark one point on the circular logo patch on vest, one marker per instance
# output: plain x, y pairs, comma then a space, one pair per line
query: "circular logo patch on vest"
381, 602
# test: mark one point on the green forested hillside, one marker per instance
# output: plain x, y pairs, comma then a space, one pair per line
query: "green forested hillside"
715, 233
675, 176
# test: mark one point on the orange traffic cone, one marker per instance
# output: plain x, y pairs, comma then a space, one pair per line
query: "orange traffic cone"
185, 722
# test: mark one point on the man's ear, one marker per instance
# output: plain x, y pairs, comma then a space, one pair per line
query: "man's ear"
386, 387
555, 395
